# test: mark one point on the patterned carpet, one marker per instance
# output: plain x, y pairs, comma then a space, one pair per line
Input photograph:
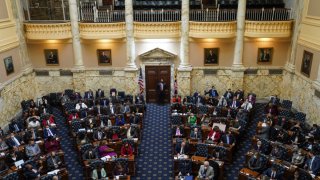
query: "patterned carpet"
71, 156
231, 171
155, 157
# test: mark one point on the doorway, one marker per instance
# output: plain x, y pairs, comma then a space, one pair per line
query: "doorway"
153, 76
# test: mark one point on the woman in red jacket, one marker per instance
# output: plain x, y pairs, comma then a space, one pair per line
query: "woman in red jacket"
214, 134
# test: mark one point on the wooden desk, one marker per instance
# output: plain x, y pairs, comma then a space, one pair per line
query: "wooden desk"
245, 173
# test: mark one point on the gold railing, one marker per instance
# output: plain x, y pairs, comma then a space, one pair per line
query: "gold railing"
102, 30
156, 29
268, 29
47, 31
213, 29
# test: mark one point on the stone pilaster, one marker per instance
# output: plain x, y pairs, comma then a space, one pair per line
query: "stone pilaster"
238, 50
237, 77
77, 50
23, 51
79, 81
131, 49
298, 12
184, 41
184, 82
131, 79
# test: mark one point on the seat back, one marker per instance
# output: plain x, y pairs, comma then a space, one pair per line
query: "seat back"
279, 167
185, 166
76, 125
203, 109
176, 120
286, 104
202, 150
85, 147
300, 116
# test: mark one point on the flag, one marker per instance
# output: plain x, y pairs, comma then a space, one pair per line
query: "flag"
141, 82
175, 85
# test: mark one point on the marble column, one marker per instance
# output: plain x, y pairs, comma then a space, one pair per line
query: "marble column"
131, 49
298, 12
238, 50
23, 51
77, 50
184, 41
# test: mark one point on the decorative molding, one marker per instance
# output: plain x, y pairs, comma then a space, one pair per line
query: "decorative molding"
157, 29
9, 43
268, 29
156, 54
46, 31
213, 29
275, 71
308, 42
102, 30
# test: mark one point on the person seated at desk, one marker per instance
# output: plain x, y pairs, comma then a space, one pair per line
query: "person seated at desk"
125, 108
261, 149
272, 174
3, 145
104, 150
111, 109
181, 149
315, 131
228, 95
48, 121
228, 139
33, 105
14, 140
52, 144
264, 131
256, 163
13, 156
215, 134
90, 154
82, 138
298, 158
119, 170
34, 123
31, 134
313, 164
120, 120
234, 104
126, 150
176, 99
49, 132
114, 136
206, 171
239, 95
81, 105
99, 173
192, 120
3, 166
212, 92
53, 162
177, 131
74, 115
206, 120
105, 122
222, 102
196, 134
247, 106
98, 135
32, 149
31, 173
297, 139
276, 153
15, 127
132, 132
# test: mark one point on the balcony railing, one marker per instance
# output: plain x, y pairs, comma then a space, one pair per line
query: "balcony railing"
156, 15
213, 15
272, 14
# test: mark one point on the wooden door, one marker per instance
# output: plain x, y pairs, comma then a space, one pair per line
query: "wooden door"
153, 76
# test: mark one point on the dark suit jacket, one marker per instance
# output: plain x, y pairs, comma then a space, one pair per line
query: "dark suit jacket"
213, 93
231, 139
178, 149
315, 165
101, 94
95, 135
240, 94
237, 104
109, 110
88, 95
104, 102
10, 161
11, 143
231, 95
50, 163
12, 127
255, 164
193, 135
45, 132
30, 174
28, 136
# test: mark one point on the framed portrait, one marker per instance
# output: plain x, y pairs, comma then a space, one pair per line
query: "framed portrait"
8, 64
51, 57
211, 56
265, 55
104, 57
306, 63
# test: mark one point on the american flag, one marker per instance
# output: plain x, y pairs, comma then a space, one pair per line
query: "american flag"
140, 82
175, 85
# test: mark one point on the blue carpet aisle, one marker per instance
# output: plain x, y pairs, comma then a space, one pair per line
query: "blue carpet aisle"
231, 171
70, 155
155, 153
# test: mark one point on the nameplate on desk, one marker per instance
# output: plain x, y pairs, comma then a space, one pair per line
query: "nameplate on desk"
54, 171
18, 163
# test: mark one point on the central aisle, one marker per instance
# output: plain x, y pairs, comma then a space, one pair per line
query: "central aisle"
155, 153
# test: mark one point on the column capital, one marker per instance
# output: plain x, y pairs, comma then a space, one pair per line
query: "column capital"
185, 67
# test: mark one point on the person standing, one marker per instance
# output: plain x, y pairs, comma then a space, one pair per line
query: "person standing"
161, 91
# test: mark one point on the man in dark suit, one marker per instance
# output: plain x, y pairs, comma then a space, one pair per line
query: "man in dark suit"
88, 94
277, 153
313, 164
196, 134
31, 134
104, 58
111, 109
139, 99
239, 94
15, 126
99, 94
14, 156
52, 58
31, 172
53, 161
90, 155
161, 87
49, 132
228, 138
212, 92
256, 163
181, 149
272, 173
228, 95
98, 135
234, 104
104, 102
14, 141
211, 57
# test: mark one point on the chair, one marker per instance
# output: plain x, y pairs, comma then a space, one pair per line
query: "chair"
185, 166
94, 164
203, 109
279, 167
222, 151
11, 176
47, 177
85, 147
285, 112
265, 146
304, 175
69, 106
69, 92
122, 95
76, 125
176, 120
202, 150
300, 116
286, 104
131, 142
113, 91
123, 162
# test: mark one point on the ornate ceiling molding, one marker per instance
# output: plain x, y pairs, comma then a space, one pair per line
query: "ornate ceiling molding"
268, 29
213, 29
46, 31
157, 54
